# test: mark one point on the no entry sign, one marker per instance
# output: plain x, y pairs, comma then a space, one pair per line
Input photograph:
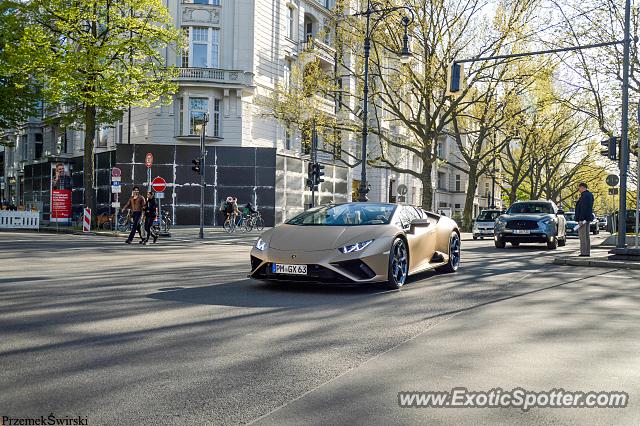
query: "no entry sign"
158, 184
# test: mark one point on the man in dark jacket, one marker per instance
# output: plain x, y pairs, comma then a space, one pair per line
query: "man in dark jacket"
584, 216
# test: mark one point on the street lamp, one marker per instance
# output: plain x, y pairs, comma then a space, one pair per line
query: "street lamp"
405, 56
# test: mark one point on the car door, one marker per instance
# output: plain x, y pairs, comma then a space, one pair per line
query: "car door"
422, 239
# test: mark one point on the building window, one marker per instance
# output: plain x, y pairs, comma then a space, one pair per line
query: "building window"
413, 195
103, 135
38, 145
212, 2
24, 145
337, 145
487, 190
441, 181
120, 132
181, 115
216, 117
289, 22
287, 138
457, 206
204, 48
287, 74
441, 152
198, 107
458, 183
185, 51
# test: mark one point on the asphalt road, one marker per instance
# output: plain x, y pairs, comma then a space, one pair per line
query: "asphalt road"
175, 334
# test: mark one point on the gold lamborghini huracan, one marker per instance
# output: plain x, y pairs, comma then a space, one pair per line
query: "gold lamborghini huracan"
357, 243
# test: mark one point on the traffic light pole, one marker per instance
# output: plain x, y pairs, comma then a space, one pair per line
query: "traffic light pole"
203, 154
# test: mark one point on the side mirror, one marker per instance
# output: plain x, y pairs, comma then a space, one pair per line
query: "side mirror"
560, 212
417, 223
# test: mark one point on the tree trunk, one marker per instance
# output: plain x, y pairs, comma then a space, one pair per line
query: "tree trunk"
427, 189
467, 215
88, 164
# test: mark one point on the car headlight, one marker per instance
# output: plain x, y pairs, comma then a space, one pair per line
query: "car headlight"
547, 220
261, 244
351, 248
501, 219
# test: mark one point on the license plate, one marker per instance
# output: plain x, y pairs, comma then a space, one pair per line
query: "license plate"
521, 231
278, 268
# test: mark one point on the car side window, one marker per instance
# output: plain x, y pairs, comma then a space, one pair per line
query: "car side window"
407, 214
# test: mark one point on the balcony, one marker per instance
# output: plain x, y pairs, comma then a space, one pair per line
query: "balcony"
322, 51
215, 76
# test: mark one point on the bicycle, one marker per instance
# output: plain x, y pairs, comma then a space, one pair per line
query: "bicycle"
254, 221
230, 226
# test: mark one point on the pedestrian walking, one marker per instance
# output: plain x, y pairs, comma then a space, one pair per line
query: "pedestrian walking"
584, 217
137, 203
150, 213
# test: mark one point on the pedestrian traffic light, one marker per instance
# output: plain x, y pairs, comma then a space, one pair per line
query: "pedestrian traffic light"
611, 148
196, 165
455, 78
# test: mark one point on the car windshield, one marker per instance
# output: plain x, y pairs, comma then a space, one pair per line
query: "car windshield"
488, 216
570, 216
531, 208
352, 214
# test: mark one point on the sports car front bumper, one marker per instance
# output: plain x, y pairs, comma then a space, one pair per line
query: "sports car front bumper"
324, 266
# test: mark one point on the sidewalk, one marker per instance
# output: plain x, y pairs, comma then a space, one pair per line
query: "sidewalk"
599, 259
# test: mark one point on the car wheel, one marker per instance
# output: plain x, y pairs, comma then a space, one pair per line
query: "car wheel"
475, 238
500, 243
454, 254
553, 244
562, 242
398, 263
515, 244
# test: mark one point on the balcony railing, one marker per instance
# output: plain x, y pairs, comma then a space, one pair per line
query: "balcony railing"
320, 49
215, 75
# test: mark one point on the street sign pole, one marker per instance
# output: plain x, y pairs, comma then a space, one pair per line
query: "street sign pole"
203, 154
638, 181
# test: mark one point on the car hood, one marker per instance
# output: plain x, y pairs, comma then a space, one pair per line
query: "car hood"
571, 223
309, 238
525, 216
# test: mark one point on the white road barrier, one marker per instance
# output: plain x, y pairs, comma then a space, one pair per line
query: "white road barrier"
19, 220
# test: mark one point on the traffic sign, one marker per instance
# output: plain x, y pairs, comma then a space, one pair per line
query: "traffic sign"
402, 189
159, 195
148, 160
115, 183
116, 178
613, 180
116, 172
116, 189
115, 204
158, 184
613, 191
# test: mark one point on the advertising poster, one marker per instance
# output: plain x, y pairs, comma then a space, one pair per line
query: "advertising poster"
60, 193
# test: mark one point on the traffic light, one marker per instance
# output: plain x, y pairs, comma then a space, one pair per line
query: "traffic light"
196, 165
611, 150
311, 175
319, 172
455, 78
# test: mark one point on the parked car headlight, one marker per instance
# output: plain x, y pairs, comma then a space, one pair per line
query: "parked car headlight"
351, 248
547, 220
261, 244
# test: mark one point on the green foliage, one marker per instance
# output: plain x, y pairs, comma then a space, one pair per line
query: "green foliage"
99, 53
18, 93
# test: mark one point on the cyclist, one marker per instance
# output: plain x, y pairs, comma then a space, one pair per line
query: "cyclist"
231, 208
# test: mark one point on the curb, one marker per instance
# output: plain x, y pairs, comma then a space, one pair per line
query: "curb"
596, 262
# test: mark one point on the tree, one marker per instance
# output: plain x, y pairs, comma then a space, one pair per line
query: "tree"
18, 95
94, 59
